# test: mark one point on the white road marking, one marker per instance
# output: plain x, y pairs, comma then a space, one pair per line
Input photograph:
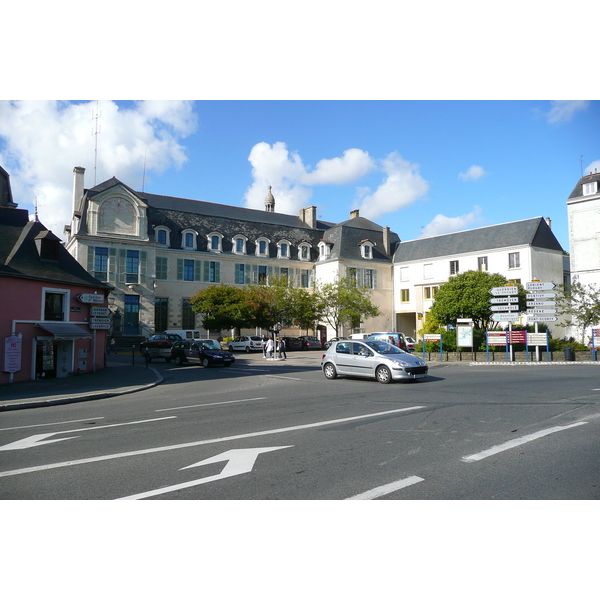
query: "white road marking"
208, 404
517, 442
283, 377
51, 424
83, 461
384, 490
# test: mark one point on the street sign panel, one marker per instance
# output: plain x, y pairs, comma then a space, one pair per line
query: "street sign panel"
100, 321
432, 337
517, 337
90, 298
99, 311
508, 299
507, 290
505, 316
506, 307
100, 325
534, 286
541, 303
496, 338
541, 295
541, 318
541, 311
537, 339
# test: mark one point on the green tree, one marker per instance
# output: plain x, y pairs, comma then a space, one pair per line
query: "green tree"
467, 296
344, 303
579, 305
222, 307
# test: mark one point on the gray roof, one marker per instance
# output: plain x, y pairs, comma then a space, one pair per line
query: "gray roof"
534, 232
19, 256
578, 189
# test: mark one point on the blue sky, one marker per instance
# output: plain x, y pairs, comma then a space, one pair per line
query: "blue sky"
421, 167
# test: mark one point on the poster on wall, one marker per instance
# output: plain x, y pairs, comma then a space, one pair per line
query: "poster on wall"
47, 356
12, 353
464, 336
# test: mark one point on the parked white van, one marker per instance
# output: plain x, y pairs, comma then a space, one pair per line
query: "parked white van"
186, 334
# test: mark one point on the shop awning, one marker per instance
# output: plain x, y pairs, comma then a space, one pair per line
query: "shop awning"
64, 331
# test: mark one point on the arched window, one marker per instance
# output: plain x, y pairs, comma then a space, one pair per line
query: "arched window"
283, 249
262, 247
239, 244
215, 242
366, 249
304, 251
162, 236
188, 239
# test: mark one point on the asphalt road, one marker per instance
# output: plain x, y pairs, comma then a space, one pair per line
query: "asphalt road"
261, 430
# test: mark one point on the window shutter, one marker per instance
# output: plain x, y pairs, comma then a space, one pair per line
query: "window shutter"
359, 277
246, 275
254, 273
311, 278
198, 270
236, 276
269, 274
217, 272
112, 266
121, 266
374, 279
90, 259
180, 269
143, 267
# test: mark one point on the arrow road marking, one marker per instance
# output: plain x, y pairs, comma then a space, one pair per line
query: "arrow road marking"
84, 461
518, 441
209, 404
238, 461
35, 440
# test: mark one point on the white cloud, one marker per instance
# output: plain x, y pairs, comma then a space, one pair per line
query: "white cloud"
402, 186
564, 110
352, 166
474, 172
592, 167
442, 224
46, 139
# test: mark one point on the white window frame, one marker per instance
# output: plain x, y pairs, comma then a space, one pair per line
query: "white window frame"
279, 245
243, 239
167, 231
66, 294
209, 239
258, 241
454, 267
590, 188
324, 251
300, 251
511, 257
194, 245
366, 250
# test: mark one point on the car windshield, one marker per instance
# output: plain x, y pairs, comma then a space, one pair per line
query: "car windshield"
383, 347
211, 345
171, 336
255, 338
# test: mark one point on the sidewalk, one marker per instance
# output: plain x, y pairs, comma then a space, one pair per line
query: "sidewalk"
116, 379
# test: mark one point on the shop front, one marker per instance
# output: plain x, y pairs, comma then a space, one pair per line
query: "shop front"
58, 352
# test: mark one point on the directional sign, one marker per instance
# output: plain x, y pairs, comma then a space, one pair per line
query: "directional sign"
541, 318
541, 311
541, 303
100, 320
537, 339
517, 337
535, 286
505, 316
99, 311
496, 338
507, 290
509, 300
432, 337
90, 298
506, 307
541, 295
238, 462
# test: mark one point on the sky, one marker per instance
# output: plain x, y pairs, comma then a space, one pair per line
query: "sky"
422, 167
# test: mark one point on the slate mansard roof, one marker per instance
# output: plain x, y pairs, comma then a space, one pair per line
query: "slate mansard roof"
178, 214
534, 232
578, 189
19, 255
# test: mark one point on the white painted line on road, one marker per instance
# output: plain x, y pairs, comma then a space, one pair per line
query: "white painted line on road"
83, 461
208, 404
384, 490
283, 377
517, 442
51, 424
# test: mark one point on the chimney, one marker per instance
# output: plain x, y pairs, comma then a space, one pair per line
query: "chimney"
77, 187
549, 222
309, 216
354, 214
386, 239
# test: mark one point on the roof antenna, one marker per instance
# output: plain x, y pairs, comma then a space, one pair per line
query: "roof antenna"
581, 164
144, 176
96, 118
36, 219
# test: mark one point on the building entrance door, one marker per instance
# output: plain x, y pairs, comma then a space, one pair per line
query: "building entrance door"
131, 316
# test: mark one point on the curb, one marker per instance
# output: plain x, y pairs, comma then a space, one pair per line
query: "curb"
533, 363
82, 397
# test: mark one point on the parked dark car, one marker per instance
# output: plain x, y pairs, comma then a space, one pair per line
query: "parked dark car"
207, 353
293, 343
310, 342
159, 346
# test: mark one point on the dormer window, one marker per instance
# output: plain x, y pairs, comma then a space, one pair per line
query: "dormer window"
47, 245
590, 188
161, 235
304, 251
324, 250
262, 247
283, 249
366, 249
239, 244
188, 239
215, 242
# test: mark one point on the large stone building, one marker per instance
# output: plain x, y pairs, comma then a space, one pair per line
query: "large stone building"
158, 251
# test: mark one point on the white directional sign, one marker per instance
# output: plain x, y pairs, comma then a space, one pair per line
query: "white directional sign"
507, 290
541, 311
541, 295
541, 303
506, 307
432, 337
99, 311
537, 339
507, 300
505, 316
90, 298
535, 286
541, 318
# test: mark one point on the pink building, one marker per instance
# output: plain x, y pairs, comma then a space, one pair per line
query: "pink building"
51, 308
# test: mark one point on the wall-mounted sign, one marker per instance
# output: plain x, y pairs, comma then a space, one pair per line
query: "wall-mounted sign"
12, 353
90, 298
99, 311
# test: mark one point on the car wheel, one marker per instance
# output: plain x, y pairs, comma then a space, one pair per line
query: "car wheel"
248, 349
178, 360
230, 348
168, 359
383, 374
329, 371
206, 363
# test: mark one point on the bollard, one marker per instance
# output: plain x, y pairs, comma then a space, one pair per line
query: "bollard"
133, 354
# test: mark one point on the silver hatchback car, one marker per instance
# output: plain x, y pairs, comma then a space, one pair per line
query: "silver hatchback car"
371, 358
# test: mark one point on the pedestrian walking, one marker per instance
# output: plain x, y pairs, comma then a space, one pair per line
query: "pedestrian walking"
264, 345
281, 347
270, 347
112, 347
